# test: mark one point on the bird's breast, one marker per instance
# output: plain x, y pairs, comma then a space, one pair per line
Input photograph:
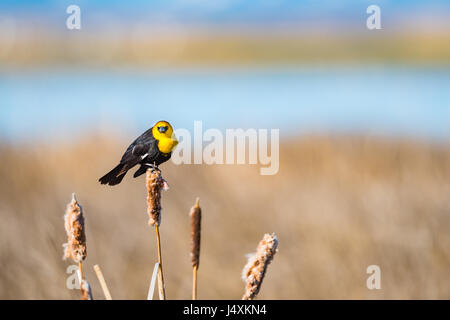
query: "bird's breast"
166, 145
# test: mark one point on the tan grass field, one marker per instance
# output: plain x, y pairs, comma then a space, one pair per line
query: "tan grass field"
38, 47
337, 206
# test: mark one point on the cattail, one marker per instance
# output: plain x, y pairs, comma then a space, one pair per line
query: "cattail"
86, 292
196, 218
75, 248
255, 269
155, 184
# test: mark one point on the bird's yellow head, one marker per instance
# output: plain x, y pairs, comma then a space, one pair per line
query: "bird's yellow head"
163, 132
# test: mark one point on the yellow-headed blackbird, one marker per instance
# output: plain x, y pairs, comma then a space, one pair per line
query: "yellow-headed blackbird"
149, 150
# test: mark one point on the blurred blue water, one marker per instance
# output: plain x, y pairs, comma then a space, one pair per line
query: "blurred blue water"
37, 105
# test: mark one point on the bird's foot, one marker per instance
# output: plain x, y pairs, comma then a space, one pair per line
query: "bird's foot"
153, 167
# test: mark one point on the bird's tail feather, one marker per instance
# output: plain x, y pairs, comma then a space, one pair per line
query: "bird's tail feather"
115, 176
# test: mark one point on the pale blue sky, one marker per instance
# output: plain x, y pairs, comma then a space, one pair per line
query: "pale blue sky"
228, 11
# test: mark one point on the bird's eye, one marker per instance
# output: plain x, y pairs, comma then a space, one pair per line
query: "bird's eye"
163, 129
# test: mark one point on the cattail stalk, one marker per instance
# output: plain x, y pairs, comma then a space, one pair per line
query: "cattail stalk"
80, 270
161, 285
256, 267
86, 292
156, 184
102, 281
194, 282
75, 248
196, 218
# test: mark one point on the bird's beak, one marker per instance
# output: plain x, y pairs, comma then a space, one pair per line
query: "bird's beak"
162, 129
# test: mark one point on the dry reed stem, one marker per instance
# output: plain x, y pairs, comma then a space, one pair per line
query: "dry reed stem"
86, 292
256, 267
102, 281
196, 218
151, 290
75, 248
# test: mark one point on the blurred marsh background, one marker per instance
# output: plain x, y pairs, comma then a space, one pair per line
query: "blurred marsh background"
364, 118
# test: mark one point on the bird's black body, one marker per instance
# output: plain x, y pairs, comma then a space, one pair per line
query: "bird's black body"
144, 151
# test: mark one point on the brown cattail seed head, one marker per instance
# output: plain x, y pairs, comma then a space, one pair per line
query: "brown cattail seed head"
155, 184
255, 269
75, 248
196, 219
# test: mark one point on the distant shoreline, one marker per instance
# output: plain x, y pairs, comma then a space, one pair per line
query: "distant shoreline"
178, 50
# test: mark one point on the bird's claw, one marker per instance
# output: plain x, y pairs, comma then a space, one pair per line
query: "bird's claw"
153, 167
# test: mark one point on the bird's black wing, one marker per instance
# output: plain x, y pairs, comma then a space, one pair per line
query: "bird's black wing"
144, 147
